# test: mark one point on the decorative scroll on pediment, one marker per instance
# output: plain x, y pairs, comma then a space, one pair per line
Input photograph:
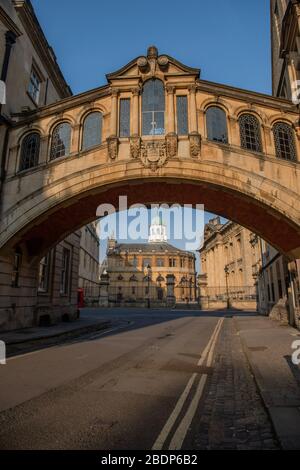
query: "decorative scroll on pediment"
152, 63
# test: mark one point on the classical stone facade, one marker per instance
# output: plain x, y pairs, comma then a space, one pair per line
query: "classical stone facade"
45, 291
237, 171
285, 30
89, 264
155, 132
278, 277
138, 273
226, 266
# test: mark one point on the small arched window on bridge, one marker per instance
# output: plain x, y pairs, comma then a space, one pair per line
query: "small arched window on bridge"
61, 138
153, 108
30, 150
92, 130
250, 133
216, 125
284, 141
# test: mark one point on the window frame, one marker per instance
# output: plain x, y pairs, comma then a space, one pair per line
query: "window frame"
122, 100
224, 113
37, 151
243, 133
65, 272
60, 124
32, 86
179, 133
291, 141
153, 111
87, 116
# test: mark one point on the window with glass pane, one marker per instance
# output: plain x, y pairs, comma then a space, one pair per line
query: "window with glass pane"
44, 269
216, 125
250, 133
65, 271
124, 117
30, 151
34, 86
92, 130
284, 141
61, 139
182, 115
153, 108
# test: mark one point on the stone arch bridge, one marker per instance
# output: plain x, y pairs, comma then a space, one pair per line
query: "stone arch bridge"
155, 146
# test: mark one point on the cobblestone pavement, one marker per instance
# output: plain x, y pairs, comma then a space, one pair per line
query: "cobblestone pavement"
231, 415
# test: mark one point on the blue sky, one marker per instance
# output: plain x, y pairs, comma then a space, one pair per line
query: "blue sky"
228, 39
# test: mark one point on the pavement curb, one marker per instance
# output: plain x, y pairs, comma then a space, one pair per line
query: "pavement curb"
285, 430
74, 332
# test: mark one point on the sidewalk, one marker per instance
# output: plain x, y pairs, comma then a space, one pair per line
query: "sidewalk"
84, 324
268, 347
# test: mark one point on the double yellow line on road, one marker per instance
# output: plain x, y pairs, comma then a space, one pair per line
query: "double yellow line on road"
182, 429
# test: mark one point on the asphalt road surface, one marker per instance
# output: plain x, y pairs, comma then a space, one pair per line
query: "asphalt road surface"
154, 380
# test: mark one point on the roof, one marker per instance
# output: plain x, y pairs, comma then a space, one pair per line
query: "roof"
157, 247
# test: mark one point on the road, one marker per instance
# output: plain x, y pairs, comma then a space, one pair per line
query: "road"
155, 380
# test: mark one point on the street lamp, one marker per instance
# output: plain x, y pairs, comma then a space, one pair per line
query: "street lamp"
148, 272
226, 269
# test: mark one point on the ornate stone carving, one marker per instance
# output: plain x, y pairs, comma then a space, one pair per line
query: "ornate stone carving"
153, 154
112, 146
148, 64
135, 146
171, 143
195, 144
170, 89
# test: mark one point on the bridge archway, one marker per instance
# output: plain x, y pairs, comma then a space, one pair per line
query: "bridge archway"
252, 181
53, 212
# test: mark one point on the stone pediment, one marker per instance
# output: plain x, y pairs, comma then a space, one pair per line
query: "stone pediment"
152, 64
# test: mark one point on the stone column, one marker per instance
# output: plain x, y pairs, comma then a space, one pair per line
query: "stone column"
170, 290
171, 136
194, 136
135, 140
44, 149
171, 112
234, 131
103, 297
114, 112
112, 140
193, 126
75, 138
269, 146
135, 111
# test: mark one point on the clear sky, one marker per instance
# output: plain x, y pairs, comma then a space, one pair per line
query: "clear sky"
229, 40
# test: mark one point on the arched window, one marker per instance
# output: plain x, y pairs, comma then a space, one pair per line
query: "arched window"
284, 141
250, 133
61, 138
30, 150
153, 108
216, 124
92, 130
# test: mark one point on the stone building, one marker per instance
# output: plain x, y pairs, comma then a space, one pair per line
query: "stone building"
278, 280
156, 131
139, 271
226, 262
88, 275
33, 78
